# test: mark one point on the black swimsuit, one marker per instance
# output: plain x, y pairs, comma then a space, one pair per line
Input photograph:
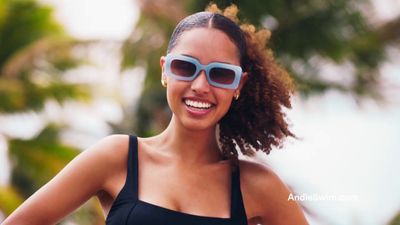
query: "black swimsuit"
127, 209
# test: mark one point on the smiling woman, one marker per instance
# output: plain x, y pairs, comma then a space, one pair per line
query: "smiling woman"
226, 93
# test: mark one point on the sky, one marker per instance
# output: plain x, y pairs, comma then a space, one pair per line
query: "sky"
346, 150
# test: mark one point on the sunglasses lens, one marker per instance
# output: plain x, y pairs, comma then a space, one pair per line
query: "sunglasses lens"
182, 68
222, 75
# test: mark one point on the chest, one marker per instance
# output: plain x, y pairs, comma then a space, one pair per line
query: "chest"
200, 192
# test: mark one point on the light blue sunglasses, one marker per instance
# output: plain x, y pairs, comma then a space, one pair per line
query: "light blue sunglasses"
186, 68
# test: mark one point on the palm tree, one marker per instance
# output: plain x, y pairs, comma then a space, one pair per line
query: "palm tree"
34, 54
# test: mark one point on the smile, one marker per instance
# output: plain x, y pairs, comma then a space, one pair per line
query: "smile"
197, 104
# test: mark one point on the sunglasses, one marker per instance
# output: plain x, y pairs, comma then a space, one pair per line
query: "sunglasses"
185, 68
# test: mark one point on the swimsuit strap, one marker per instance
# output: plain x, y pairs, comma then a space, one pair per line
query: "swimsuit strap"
238, 213
132, 172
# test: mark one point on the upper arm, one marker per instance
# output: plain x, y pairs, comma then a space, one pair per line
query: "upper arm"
82, 178
271, 195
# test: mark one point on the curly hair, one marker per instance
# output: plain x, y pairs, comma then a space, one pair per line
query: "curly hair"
256, 121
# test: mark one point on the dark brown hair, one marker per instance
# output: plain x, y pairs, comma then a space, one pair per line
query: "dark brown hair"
256, 121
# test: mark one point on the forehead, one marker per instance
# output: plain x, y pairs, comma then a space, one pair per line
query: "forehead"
207, 45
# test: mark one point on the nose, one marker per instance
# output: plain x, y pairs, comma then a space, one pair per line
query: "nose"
200, 85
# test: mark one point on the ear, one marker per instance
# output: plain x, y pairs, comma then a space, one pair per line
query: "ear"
242, 82
162, 65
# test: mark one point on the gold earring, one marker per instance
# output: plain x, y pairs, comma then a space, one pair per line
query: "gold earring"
163, 83
237, 96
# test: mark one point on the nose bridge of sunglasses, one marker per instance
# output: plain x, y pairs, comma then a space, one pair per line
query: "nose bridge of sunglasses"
201, 79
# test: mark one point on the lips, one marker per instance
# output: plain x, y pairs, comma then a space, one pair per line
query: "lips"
197, 104
198, 107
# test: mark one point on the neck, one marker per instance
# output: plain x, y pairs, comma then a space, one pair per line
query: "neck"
190, 146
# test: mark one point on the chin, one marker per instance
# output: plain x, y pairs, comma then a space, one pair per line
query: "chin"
197, 125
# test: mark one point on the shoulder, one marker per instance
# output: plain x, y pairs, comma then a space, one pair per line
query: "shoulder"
259, 177
110, 145
109, 148
265, 195
104, 163
109, 151
104, 157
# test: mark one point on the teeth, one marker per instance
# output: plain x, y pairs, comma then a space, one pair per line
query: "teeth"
202, 105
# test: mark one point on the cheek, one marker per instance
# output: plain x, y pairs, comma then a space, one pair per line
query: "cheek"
174, 92
225, 99
171, 94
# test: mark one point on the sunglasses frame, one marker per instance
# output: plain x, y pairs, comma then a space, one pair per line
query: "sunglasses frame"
207, 68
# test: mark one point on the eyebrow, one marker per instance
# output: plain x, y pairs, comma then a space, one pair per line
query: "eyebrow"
211, 62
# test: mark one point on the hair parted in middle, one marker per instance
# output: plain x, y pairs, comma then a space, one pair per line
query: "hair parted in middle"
256, 121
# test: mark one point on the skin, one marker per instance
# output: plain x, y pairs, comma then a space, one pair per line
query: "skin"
186, 150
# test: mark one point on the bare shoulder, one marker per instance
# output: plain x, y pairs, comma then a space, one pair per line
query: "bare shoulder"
101, 163
113, 148
110, 152
266, 196
259, 172
259, 179
103, 159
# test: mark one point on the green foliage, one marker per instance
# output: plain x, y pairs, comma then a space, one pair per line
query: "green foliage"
21, 94
146, 45
34, 54
9, 199
36, 161
23, 22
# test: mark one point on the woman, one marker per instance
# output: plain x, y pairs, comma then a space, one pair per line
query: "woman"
226, 93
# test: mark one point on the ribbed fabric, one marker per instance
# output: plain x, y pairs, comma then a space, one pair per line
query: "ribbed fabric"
129, 210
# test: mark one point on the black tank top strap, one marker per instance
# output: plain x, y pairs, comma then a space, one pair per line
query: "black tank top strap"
133, 164
129, 190
238, 213
132, 173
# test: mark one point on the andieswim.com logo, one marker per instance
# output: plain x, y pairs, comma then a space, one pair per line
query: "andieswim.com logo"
321, 197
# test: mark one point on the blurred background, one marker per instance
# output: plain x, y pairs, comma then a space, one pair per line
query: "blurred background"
72, 72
